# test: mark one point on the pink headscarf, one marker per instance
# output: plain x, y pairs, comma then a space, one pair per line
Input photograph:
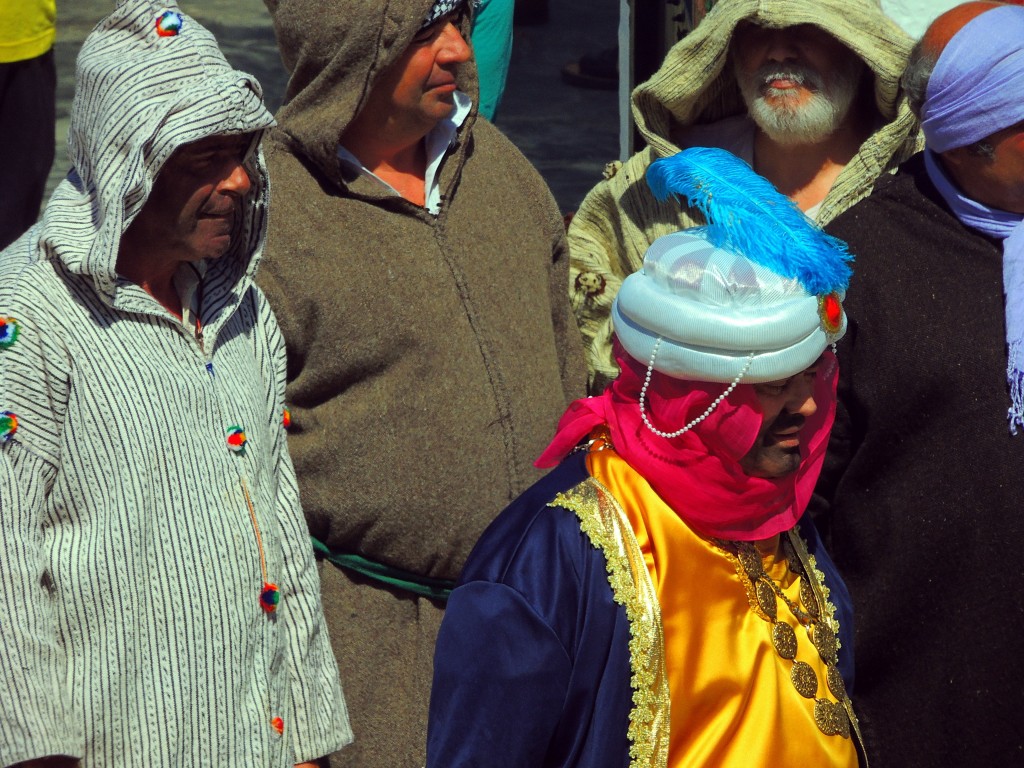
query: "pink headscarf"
698, 473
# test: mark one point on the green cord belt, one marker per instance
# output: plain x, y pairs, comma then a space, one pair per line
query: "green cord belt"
436, 589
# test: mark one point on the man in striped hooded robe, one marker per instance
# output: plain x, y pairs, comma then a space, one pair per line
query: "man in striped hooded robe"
162, 603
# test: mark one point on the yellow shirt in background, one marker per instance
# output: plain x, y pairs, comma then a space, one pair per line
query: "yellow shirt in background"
27, 28
733, 704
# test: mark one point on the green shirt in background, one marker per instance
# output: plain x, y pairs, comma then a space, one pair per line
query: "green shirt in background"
492, 47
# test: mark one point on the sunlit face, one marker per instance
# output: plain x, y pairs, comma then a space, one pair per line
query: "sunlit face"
786, 405
421, 84
196, 198
996, 181
798, 82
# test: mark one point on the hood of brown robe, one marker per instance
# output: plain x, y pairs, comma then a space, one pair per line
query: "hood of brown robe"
333, 65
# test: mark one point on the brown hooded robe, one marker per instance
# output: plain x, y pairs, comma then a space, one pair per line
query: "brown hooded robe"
429, 357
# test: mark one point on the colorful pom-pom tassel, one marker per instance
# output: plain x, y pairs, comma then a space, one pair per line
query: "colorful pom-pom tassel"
286, 419
168, 24
9, 330
278, 725
270, 597
8, 425
236, 438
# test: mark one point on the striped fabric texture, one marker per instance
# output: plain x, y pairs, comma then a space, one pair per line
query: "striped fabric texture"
131, 531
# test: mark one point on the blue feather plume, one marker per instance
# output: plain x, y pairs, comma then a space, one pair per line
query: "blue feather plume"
746, 214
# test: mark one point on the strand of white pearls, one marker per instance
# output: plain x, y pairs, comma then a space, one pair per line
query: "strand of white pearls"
835, 361
699, 419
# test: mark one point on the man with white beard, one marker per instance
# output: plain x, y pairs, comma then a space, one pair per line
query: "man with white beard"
806, 92
798, 84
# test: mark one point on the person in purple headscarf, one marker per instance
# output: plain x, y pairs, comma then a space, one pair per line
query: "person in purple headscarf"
923, 492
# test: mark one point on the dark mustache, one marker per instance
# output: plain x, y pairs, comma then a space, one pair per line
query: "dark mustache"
786, 420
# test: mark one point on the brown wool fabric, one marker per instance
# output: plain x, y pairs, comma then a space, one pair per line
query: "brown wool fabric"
620, 218
429, 357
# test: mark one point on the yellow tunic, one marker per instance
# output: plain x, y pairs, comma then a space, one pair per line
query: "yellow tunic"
27, 28
732, 701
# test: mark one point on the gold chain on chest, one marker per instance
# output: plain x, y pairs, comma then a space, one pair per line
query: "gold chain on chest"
814, 612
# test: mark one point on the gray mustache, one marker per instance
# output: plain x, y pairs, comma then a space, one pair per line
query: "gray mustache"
798, 74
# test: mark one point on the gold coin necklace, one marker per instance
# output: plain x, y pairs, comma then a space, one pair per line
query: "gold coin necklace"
814, 612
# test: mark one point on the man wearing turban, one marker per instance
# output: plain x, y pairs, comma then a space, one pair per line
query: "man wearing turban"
660, 598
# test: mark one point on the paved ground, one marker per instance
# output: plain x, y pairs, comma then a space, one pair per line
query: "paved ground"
568, 133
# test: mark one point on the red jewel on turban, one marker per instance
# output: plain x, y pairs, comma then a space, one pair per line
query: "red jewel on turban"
286, 419
278, 725
830, 310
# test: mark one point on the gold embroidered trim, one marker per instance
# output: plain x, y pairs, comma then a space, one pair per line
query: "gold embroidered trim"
605, 523
829, 610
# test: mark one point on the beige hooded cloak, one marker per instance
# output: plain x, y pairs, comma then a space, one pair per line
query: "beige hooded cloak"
620, 218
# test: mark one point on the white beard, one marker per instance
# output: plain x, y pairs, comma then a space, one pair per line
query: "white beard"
785, 121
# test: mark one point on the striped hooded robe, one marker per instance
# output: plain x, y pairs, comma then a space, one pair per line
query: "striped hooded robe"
131, 555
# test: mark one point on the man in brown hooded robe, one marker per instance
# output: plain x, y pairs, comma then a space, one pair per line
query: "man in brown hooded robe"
417, 263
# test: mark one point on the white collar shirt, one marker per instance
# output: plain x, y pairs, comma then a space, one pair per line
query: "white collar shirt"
438, 142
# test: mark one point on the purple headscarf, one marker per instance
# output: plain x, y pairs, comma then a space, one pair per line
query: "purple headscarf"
976, 90
976, 87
